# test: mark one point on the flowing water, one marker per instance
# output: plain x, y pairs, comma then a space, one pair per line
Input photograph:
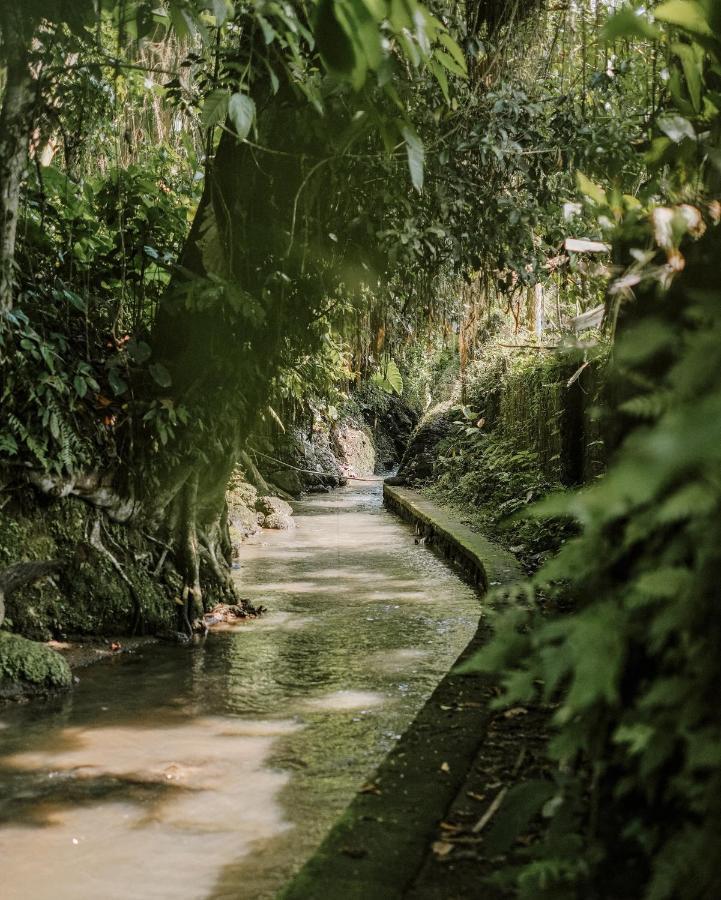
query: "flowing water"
213, 771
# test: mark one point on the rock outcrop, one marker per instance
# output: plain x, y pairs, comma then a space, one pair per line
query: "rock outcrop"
274, 513
417, 463
248, 512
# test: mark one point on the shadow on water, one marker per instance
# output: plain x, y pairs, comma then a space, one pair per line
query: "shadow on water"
215, 770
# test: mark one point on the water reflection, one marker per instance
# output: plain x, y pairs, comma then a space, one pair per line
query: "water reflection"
214, 771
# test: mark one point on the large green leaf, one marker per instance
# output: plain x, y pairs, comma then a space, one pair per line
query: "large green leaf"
590, 189
117, 383
520, 806
394, 377
391, 381
241, 112
416, 155
454, 50
629, 23
692, 61
364, 31
450, 63
687, 14
215, 108
160, 375
221, 9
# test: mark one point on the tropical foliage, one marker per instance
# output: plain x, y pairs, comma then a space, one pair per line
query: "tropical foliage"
215, 214
630, 673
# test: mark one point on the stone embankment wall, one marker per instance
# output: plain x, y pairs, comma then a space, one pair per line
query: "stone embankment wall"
368, 436
542, 403
547, 404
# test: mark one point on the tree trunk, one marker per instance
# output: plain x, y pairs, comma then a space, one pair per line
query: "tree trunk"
15, 127
538, 312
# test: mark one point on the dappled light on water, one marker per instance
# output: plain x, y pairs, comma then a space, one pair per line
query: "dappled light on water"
343, 700
214, 771
141, 799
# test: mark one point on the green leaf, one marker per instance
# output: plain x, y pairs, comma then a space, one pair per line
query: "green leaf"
221, 9
629, 22
522, 803
692, 62
377, 8
81, 386
364, 31
401, 15
117, 383
676, 127
450, 63
441, 78
269, 33
394, 377
76, 300
591, 190
686, 14
183, 23
454, 50
241, 112
160, 375
658, 150
138, 351
416, 155
595, 640
214, 109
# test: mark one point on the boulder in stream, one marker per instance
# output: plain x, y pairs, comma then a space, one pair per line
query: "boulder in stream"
273, 505
279, 521
274, 513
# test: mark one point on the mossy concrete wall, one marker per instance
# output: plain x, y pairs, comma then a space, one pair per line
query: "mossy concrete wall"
546, 403
482, 561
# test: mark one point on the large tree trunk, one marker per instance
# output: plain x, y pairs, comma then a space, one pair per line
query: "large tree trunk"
224, 352
15, 128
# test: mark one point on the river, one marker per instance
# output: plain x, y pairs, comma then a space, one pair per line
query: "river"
213, 771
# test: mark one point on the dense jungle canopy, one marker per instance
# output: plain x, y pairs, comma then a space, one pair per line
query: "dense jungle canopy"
220, 221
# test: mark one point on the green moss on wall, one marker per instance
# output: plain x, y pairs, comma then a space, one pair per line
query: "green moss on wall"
545, 403
87, 596
539, 434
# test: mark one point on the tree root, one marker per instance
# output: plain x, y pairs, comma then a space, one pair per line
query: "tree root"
94, 489
220, 571
96, 543
187, 556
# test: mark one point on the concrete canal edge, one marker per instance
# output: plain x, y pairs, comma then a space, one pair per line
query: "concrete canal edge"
378, 845
484, 562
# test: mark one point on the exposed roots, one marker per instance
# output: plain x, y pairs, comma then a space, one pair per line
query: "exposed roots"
95, 541
193, 537
188, 557
94, 489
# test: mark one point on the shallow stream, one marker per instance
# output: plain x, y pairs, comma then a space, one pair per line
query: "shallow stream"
213, 771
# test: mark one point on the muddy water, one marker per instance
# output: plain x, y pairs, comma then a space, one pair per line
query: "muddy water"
213, 771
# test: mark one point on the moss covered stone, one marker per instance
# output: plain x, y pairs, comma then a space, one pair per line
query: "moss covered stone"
24, 662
